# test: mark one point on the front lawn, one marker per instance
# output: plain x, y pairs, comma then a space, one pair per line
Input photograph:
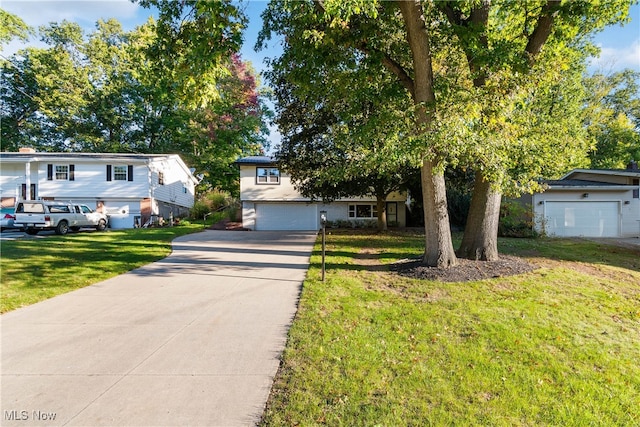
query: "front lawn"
32, 270
557, 346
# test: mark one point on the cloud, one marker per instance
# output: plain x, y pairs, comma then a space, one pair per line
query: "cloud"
618, 58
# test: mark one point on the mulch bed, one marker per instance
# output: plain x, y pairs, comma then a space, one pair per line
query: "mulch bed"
466, 270
225, 224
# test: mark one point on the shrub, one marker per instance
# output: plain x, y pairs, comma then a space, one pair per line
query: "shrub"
199, 210
211, 201
516, 220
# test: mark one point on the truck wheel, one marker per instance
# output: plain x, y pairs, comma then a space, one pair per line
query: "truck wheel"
62, 228
31, 231
102, 224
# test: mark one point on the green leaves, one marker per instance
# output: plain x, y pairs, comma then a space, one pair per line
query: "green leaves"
11, 27
173, 86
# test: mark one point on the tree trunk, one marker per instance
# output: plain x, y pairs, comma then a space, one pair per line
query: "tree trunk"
438, 245
480, 240
381, 204
439, 250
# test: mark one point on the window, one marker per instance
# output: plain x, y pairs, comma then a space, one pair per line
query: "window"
268, 176
160, 178
60, 172
363, 211
119, 173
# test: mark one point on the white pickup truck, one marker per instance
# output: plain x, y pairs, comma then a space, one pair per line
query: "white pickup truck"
36, 215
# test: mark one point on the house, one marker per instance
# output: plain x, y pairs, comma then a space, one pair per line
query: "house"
270, 202
131, 189
591, 203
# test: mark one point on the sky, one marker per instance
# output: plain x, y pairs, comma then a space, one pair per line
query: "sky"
620, 45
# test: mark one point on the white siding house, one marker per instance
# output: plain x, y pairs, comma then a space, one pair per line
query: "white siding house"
591, 203
270, 202
131, 188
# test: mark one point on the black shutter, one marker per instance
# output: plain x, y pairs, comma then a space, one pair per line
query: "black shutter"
72, 172
108, 172
49, 172
130, 173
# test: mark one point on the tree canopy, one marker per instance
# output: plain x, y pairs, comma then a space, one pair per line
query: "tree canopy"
155, 89
490, 86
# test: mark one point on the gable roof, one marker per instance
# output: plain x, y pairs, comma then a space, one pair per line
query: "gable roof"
604, 172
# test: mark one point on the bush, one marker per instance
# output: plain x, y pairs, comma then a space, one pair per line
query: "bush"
200, 209
211, 201
218, 199
516, 220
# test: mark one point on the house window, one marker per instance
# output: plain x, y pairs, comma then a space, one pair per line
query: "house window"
160, 178
60, 172
363, 211
268, 176
119, 173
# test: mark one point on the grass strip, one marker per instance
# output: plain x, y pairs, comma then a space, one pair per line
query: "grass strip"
32, 270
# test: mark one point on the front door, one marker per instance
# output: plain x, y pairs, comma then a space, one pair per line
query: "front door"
392, 214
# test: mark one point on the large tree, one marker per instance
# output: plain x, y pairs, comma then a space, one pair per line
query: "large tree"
508, 46
116, 91
493, 61
341, 118
375, 35
613, 118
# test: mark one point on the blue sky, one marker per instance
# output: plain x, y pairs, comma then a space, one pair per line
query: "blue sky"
620, 45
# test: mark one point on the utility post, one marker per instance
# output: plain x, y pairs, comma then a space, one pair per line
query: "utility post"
323, 223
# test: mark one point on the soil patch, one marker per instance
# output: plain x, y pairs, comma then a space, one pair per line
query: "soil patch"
466, 270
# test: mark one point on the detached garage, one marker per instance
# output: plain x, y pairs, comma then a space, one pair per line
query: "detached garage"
588, 219
590, 203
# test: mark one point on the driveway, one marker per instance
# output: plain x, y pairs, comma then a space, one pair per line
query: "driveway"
194, 339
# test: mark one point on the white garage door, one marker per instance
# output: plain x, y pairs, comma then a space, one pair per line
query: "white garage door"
286, 216
588, 219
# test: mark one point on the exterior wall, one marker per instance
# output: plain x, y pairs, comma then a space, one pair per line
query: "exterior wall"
90, 180
252, 194
251, 190
11, 178
629, 207
121, 199
175, 181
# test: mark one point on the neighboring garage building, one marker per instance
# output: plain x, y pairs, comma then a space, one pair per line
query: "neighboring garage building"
591, 203
270, 202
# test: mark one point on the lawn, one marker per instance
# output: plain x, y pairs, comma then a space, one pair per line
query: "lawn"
557, 346
32, 270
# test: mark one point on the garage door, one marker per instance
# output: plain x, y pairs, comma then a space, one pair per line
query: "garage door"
285, 216
588, 219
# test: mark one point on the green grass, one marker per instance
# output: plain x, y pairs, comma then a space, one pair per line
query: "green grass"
556, 346
32, 270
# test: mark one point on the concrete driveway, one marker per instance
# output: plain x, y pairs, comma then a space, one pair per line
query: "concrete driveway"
194, 339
